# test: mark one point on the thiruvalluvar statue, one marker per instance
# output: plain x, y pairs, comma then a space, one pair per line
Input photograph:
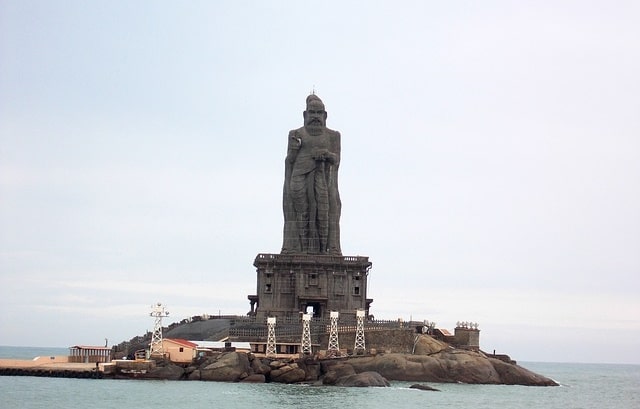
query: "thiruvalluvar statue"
311, 201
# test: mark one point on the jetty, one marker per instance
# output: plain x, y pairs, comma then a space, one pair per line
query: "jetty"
56, 367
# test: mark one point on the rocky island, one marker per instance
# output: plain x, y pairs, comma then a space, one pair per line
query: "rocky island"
310, 298
411, 357
309, 295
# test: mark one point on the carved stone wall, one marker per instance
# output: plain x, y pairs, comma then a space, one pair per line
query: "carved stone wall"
288, 284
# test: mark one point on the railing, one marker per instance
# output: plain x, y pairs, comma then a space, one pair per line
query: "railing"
310, 258
292, 327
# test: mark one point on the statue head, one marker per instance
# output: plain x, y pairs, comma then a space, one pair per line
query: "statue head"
315, 117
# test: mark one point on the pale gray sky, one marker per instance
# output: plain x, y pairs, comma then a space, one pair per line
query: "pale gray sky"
490, 162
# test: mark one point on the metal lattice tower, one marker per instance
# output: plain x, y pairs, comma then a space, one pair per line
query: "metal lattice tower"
306, 334
333, 333
271, 336
158, 312
359, 344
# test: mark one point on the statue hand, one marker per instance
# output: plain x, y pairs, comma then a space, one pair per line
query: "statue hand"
325, 156
295, 142
331, 158
320, 154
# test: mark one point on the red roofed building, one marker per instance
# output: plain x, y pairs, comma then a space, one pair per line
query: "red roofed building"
179, 350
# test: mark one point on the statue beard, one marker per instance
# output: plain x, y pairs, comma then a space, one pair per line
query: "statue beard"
314, 127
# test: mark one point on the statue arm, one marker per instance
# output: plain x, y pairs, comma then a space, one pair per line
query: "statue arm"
335, 148
293, 147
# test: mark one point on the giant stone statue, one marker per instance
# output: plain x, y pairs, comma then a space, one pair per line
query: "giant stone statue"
311, 201
310, 272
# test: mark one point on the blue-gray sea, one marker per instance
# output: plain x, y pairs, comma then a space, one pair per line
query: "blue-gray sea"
582, 386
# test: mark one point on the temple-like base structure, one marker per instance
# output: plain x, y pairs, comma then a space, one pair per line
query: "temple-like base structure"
289, 284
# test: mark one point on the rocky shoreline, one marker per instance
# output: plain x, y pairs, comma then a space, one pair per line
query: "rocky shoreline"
459, 367
432, 361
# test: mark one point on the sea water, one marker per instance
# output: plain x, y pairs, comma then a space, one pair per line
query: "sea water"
582, 386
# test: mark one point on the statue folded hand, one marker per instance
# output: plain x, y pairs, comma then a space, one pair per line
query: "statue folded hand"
324, 155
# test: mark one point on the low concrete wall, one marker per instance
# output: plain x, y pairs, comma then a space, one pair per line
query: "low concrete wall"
391, 340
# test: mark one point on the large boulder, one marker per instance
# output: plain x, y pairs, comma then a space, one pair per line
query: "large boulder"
467, 367
260, 367
336, 370
165, 370
426, 345
313, 372
289, 373
194, 375
226, 367
455, 366
311, 368
512, 374
255, 378
363, 379
393, 366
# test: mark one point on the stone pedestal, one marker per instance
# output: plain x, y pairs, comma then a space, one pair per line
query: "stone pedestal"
288, 284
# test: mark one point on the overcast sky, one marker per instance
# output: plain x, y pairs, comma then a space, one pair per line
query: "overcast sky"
490, 162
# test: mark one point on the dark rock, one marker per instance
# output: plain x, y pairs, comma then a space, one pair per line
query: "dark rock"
167, 371
312, 372
311, 367
260, 367
255, 378
363, 379
423, 387
288, 374
336, 371
276, 364
226, 367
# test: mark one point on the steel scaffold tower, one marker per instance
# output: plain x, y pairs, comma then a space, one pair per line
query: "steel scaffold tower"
359, 344
271, 336
306, 334
158, 312
333, 333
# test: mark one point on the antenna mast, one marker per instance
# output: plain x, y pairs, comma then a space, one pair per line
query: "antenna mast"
334, 347
158, 312
271, 336
306, 334
359, 344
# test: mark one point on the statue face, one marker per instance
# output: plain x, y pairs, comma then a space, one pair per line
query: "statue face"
315, 116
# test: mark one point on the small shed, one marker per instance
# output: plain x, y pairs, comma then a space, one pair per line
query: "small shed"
182, 351
89, 354
444, 335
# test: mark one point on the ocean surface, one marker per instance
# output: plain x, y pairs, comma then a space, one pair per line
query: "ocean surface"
582, 386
